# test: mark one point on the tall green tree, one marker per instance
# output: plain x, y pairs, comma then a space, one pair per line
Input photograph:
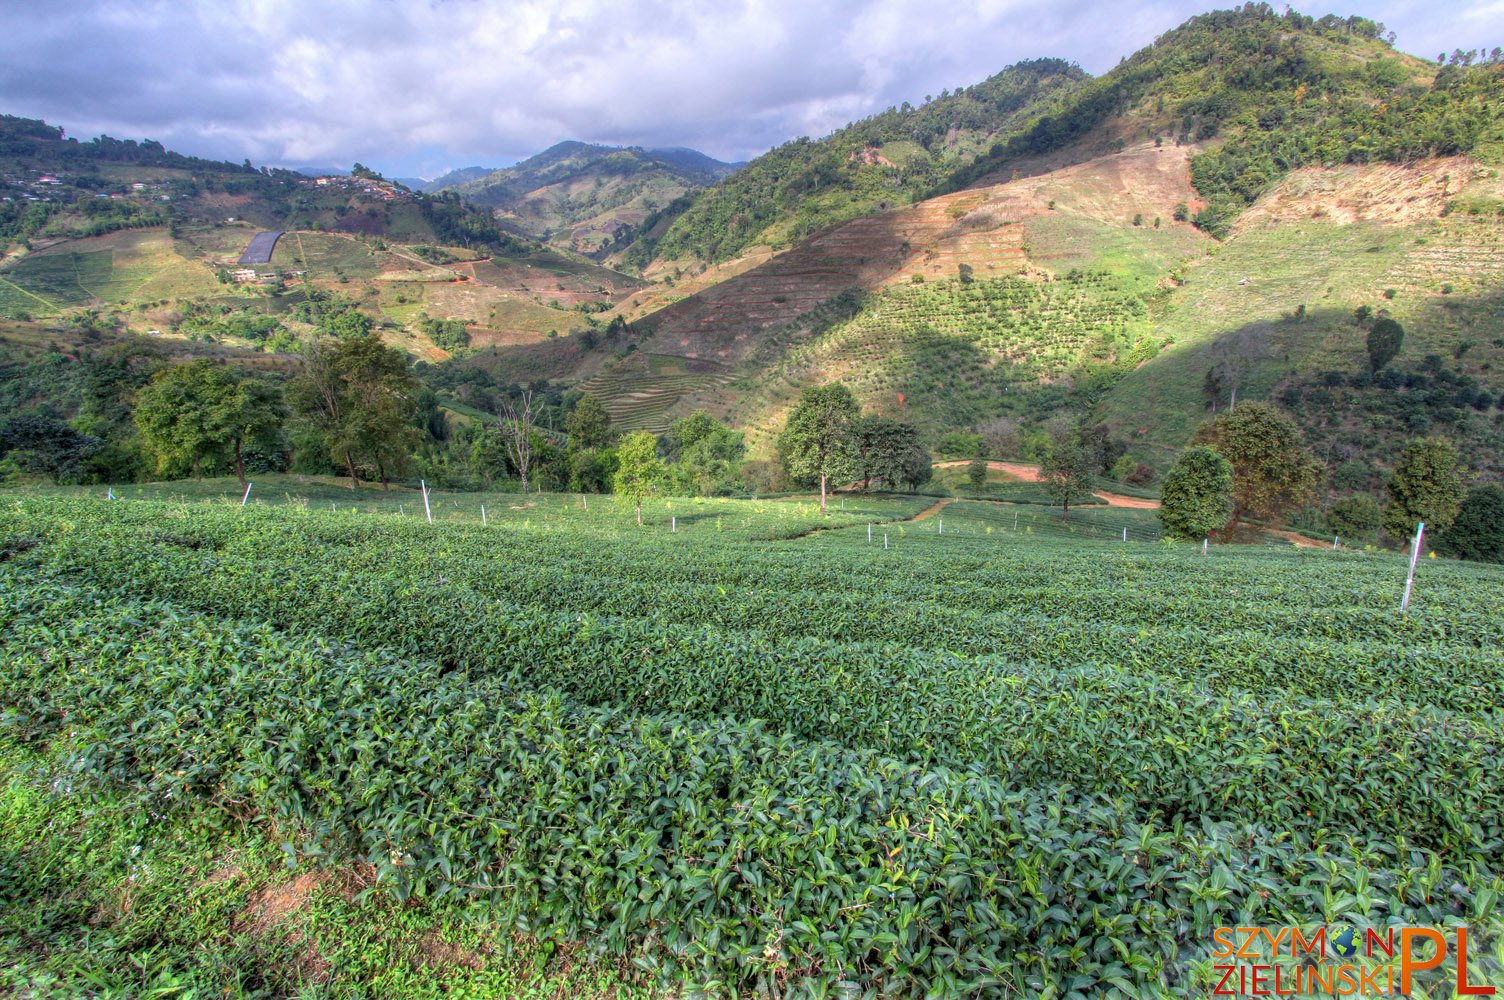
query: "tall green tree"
1271, 469
639, 471
816, 444
255, 417
179, 415
1195, 498
360, 398
588, 424
1478, 532
1426, 485
1069, 469
890, 452
1385, 338
199, 412
976, 474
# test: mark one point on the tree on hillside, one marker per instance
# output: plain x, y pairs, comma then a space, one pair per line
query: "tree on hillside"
45, 445
1069, 469
590, 460
1478, 532
1001, 437
358, 396
588, 424
707, 452
517, 431
888, 451
976, 474
815, 445
200, 412
1271, 469
1195, 498
255, 417
1426, 485
179, 415
1233, 358
1385, 339
639, 471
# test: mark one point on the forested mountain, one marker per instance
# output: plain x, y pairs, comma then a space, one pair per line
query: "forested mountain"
580, 195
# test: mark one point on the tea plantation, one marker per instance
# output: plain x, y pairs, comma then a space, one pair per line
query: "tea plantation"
740, 749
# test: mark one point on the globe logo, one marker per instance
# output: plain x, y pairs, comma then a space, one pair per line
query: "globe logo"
1343, 940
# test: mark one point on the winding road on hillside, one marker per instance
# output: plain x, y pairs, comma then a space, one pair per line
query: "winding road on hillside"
1030, 474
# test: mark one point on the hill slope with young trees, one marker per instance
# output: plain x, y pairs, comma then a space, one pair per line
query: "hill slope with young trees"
1229, 211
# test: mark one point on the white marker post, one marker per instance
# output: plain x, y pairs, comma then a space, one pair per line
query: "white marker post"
942, 524
1420, 532
482, 515
1335, 540
1015, 520
1125, 534
885, 539
869, 532
673, 525
426, 509
1205, 544
247, 493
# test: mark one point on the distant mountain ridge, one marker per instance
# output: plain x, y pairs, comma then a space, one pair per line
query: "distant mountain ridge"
579, 195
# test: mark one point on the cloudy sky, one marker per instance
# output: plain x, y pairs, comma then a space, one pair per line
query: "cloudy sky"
412, 87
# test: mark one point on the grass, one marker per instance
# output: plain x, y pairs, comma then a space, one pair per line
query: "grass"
1329, 270
325, 255
121, 268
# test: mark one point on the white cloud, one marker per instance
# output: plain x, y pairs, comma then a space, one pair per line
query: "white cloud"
414, 82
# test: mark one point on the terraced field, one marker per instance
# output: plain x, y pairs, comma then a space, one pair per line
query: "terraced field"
724, 752
649, 391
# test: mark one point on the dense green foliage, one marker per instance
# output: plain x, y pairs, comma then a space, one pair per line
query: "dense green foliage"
889, 453
1385, 338
1195, 497
359, 400
1271, 469
587, 694
1478, 531
42, 444
816, 445
1425, 486
1357, 517
200, 411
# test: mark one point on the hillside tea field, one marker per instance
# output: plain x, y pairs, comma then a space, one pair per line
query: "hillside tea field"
740, 754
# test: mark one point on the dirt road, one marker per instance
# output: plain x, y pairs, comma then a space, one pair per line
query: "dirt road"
1030, 474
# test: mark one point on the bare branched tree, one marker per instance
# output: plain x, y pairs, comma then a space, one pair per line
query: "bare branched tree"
517, 431
1233, 358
